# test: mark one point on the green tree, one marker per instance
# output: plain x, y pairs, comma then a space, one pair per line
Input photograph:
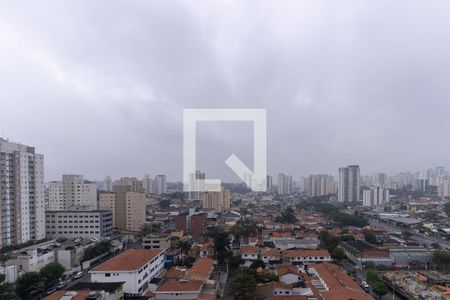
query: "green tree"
184, 247
372, 276
222, 249
28, 285
51, 273
441, 258
100, 248
243, 284
257, 263
370, 237
380, 289
6, 288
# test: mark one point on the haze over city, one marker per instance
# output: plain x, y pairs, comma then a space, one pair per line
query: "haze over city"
361, 82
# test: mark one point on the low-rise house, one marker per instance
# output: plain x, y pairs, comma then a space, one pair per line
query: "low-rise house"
90, 291
361, 252
134, 267
307, 256
157, 241
206, 249
274, 288
288, 274
201, 270
249, 253
172, 290
283, 244
32, 260
270, 255
333, 283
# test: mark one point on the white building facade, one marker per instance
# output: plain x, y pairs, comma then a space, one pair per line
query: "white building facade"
135, 267
72, 193
79, 224
22, 217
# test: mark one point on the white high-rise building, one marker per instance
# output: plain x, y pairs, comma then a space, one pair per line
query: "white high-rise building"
444, 189
72, 193
375, 196
197, 184
107, 184
149, 184
22, 217
349, 184
284, 184
160, 184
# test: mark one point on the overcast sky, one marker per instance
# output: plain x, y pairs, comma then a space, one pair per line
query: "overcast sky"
99, 87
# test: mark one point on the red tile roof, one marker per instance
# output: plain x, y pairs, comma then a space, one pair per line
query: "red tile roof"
180, 286
202, 267
130, 260
249, 250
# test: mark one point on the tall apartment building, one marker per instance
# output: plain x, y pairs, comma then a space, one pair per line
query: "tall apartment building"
375, 196
349, 184
219, 201
149, 184
160, 184
72, 193
284, 184
444, 189
22, 217
107, 184
269, 184
135, 184
129, 207
320, 185
107, 201
197, 183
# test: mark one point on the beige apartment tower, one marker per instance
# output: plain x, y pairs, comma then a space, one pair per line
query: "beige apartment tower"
128, 207
219, 201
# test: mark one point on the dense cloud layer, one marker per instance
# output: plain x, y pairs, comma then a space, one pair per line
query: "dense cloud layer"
99, 86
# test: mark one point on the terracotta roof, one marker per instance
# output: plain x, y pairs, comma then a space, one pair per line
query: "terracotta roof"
249, 250
130, 260
287, 269
335, 277
304, 253
270, 252
284, 234
346, 294
202, 267
341, 285
175, 272
180, 286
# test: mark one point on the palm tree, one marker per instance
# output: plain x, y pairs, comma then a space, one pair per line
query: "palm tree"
184, 247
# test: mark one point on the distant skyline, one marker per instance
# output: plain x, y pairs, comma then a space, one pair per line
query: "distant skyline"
101, 91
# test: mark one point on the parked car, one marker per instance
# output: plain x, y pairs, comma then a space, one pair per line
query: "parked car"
50, 290
78, 275
365, 285
61, 285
